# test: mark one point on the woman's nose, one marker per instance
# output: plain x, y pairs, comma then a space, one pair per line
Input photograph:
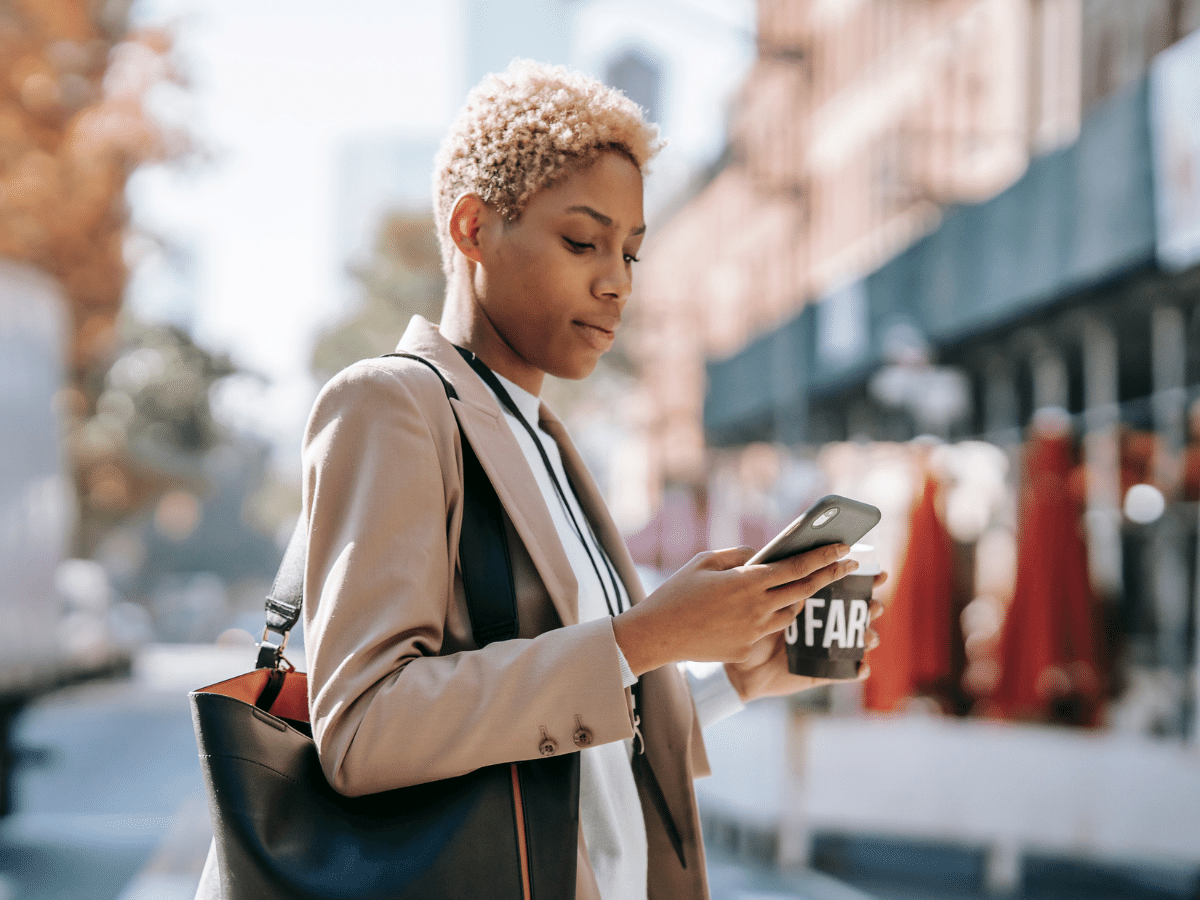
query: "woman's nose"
616, 280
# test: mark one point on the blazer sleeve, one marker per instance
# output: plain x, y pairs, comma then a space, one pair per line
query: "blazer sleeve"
382, 497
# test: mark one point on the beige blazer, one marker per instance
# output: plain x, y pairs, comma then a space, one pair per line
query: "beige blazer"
399, 693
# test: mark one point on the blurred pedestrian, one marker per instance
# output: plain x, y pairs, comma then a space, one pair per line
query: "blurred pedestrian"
538, 203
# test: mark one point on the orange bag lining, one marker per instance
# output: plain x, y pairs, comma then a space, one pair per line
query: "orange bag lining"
292, 702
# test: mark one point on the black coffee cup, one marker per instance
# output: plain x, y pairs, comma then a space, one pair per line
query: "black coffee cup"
829, 637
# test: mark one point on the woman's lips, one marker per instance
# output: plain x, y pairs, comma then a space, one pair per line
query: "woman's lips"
598, 338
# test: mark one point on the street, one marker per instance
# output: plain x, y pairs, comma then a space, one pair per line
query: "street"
109, 797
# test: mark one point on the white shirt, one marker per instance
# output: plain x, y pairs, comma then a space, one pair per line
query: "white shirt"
610, 812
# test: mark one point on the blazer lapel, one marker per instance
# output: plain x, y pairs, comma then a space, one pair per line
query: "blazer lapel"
502, 459
668, 713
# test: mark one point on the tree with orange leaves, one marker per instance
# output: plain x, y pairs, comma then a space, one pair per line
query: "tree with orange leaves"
73, 127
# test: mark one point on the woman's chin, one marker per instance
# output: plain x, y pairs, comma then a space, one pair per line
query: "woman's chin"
577, 368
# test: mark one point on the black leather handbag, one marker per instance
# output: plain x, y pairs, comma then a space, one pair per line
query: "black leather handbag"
281, 831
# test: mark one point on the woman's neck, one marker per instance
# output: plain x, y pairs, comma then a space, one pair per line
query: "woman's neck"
465, 324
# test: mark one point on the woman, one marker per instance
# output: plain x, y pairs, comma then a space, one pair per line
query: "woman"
538, 203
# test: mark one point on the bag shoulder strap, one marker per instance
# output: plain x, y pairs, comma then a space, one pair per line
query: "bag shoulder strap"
482, 557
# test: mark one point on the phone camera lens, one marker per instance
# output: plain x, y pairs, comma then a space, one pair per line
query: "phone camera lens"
825, 517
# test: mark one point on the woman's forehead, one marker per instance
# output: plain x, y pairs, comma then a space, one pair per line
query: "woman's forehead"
608, 191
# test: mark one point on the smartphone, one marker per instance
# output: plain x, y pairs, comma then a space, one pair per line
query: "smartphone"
831, 520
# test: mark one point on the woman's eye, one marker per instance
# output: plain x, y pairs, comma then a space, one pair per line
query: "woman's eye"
578, 246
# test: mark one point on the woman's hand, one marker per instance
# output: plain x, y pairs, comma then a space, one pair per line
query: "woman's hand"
718, 609
764, 673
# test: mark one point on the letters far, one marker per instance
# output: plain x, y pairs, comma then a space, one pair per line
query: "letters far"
847, 630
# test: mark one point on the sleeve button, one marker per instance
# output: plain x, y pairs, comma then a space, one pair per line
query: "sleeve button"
547, 747
583, 737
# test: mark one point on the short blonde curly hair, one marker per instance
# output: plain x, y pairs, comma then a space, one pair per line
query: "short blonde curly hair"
520, 131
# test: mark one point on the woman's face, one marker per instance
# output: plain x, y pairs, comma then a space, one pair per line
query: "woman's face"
553, 284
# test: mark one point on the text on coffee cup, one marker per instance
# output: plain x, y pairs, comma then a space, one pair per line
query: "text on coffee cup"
846, 631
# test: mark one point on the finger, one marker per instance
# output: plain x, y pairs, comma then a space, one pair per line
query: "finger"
808, 682
729, 558
880, 579
803, 565
872, 638
782, 618
876, 609
806, 587
864, 672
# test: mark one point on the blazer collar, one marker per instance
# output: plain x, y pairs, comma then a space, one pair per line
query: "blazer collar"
423, 338
482, 421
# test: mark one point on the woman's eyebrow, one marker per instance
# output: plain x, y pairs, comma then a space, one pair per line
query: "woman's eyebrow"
600, 217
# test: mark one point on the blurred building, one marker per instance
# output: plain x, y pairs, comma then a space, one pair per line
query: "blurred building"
861, 128
683, 63
942, 218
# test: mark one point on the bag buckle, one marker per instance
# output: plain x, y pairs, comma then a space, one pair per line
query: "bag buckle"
270, 656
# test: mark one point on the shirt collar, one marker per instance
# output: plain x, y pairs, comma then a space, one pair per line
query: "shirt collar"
529, 404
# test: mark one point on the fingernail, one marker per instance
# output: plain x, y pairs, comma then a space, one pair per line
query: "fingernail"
851, 565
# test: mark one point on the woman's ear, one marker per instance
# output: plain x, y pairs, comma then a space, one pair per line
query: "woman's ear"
466, 221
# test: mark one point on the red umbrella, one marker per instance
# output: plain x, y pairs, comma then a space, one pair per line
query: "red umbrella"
916, 634
1191, 459
1048, 652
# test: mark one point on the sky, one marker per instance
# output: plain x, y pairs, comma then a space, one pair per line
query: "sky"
272, 97
243, 245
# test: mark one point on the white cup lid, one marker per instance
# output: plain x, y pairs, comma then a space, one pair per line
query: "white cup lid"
868, 563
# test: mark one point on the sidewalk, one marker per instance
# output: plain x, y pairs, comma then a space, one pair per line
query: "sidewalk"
984, 808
